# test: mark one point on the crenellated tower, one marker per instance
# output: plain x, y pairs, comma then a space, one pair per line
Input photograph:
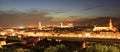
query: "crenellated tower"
39, 26
61, 24
110, 24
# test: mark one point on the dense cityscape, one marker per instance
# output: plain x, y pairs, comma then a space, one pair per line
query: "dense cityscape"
59, 26
29, 39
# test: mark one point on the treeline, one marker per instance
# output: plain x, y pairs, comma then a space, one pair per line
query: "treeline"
102, 48
64, 48
46, 45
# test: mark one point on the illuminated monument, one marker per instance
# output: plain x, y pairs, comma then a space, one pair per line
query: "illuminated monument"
110, 27
39, 26
69, 24
61, 25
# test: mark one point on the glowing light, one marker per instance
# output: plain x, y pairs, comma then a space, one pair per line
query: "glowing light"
87, 34
13, 34
19, 36
39, 39
3, 33
21, 27
11, 30
2, 43
30, 26
79, 35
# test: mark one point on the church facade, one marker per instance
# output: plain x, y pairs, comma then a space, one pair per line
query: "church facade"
107, 28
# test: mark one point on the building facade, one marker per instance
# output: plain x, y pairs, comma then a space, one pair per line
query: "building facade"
107, 28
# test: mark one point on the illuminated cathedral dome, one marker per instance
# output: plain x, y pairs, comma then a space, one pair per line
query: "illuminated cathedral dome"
70, 24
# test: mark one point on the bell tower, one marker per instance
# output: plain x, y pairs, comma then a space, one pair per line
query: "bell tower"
61, 24
110, 24
39, 26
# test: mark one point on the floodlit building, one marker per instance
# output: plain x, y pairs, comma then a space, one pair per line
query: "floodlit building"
69, 24
39, 26
61, 25
110, 27
2, 43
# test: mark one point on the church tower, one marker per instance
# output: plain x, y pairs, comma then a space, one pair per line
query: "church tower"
110, 24
61, 24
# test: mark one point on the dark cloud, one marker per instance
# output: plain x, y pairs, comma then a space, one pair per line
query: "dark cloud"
93, 7
55, 11
15, 18
98, 21
105, 6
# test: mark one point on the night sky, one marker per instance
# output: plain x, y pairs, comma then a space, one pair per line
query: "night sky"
15, 13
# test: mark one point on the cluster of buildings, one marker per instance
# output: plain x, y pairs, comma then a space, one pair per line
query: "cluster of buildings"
62, 25
110, 27
69, 24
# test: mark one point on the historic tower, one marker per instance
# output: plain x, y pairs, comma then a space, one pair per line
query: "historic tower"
110, 24
39, 26
109, 27
61, 24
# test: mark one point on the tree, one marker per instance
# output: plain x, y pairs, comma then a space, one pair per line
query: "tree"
61, 48
101, 48
57, 48
51, 49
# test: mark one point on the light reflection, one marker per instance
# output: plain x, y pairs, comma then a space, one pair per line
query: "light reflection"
50, 34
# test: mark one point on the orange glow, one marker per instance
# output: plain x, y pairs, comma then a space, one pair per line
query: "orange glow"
2, 43
30, 26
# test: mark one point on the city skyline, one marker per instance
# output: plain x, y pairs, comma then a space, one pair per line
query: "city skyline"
29, 13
